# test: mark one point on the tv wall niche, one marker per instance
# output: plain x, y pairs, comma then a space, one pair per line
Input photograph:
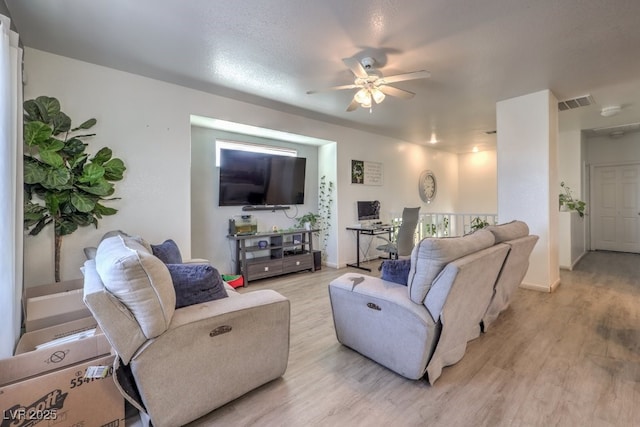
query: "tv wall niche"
259, 179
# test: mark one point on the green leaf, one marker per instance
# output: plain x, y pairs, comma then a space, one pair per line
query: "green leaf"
48, 107
52, 203
102, 156
101, 188
114, 169
65, 227
73, 147
52, 158
101, 209
56, 179
82, 203
91, 173
36, 133
78, 162
32, 112
40, 225
85, 135
83, 219
34, 171
53, 144
61, 123
86, 125
33, 213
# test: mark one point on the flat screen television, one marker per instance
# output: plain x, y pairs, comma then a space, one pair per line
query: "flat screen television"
368, 210
258, 179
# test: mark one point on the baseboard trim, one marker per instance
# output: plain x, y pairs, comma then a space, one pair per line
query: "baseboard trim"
573, 264
541, 288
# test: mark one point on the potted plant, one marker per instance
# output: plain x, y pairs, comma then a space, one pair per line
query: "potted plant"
568, 202
308, 221
63, 185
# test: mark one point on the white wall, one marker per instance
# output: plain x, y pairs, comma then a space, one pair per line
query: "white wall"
402, 164
603, 149
147, 123
570, 161
478, 182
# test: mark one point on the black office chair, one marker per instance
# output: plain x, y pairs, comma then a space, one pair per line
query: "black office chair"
404, 242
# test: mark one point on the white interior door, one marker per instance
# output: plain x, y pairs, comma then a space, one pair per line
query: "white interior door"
615, 208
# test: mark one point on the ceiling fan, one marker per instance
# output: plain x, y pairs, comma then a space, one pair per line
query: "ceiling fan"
372, 85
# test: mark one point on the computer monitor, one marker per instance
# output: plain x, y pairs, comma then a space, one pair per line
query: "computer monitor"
368, 210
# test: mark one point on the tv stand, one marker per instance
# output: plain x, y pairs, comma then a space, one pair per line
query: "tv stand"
285, 252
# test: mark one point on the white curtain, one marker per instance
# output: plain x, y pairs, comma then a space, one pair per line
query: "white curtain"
11, 235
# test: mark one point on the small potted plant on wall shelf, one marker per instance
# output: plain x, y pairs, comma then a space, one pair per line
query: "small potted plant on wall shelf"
568, 203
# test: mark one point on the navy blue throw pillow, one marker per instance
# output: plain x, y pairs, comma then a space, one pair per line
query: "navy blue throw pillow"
168, 252
396, 271
196, 283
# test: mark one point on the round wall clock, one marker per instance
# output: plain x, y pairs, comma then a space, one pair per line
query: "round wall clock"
427, 186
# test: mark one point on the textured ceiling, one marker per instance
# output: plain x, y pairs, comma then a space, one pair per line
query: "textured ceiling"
272, 52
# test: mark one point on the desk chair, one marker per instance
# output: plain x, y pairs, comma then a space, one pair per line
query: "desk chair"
404, 242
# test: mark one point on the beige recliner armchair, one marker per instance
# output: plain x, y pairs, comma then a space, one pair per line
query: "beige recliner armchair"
184, 362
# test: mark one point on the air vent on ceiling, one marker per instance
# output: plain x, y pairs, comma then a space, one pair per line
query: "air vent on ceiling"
580, 101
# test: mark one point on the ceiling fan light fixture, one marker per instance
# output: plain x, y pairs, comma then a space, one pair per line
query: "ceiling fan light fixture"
363, 97
377, 94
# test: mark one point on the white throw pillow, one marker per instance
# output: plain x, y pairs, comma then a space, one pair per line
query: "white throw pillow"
140, 280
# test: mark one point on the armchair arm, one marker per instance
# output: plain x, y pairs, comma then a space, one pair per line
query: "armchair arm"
207, 310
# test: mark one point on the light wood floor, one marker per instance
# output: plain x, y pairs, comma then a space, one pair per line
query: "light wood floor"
570, 358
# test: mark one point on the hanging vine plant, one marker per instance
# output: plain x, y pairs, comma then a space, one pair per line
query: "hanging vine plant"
63, 185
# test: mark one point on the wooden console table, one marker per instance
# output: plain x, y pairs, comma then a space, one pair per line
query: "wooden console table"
284, 252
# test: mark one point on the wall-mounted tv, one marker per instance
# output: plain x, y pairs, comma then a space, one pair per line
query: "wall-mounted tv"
256, 179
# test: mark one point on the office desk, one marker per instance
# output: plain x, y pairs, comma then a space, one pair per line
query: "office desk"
369, 231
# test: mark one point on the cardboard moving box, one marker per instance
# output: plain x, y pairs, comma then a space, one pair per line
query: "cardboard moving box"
29, 362
51, 305
64, 398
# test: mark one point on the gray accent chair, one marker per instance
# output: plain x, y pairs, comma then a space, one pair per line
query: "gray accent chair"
420, 328
404, 243
189, 361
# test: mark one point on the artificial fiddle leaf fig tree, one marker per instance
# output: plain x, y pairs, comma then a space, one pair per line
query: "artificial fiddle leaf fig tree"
63, 185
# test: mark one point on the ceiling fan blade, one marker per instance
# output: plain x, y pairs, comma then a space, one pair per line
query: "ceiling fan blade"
353, 106
394, 91
407, 76
310, 92
356, 67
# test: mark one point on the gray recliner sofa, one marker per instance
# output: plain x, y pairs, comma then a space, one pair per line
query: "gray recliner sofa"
188, 361
420, 328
